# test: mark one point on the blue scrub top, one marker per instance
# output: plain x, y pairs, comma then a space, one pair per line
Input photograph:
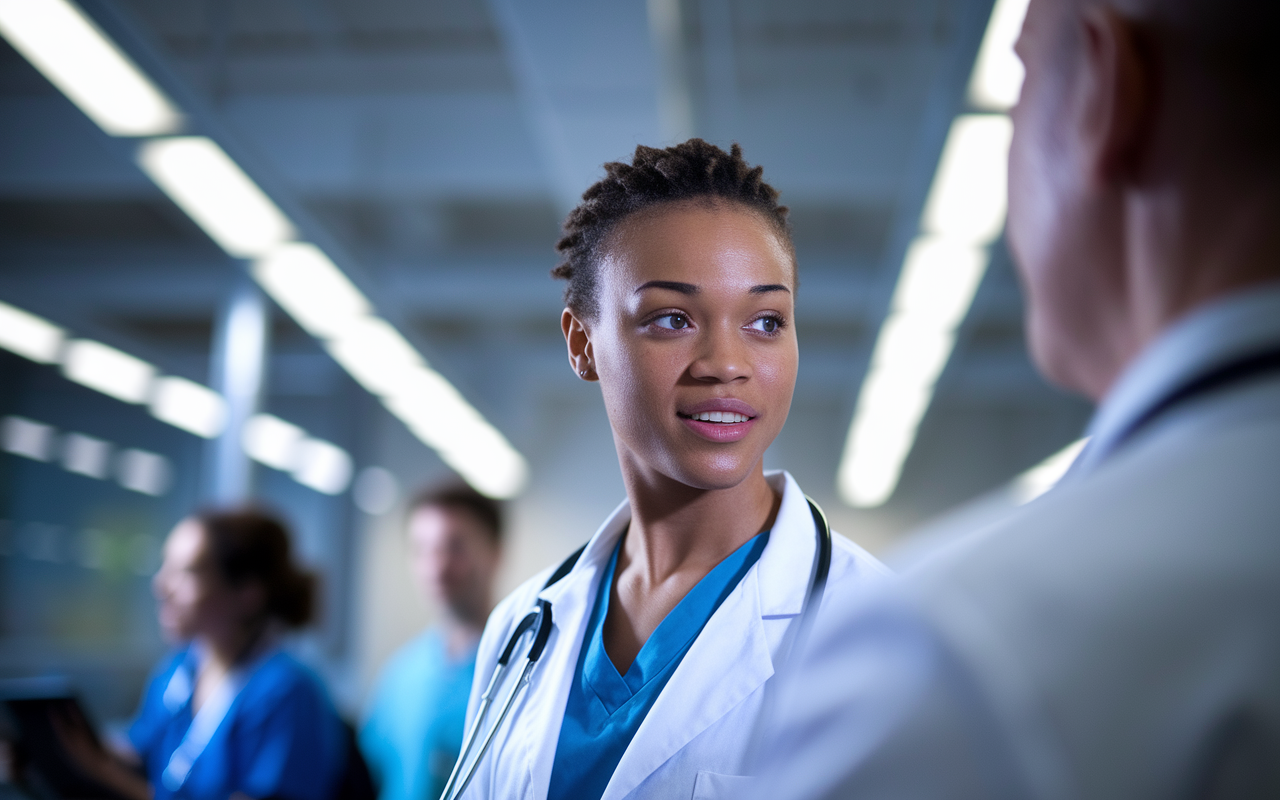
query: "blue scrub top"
605, 709
414, 725
280, 737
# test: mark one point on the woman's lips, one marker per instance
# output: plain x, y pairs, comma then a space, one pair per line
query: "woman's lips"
719, 420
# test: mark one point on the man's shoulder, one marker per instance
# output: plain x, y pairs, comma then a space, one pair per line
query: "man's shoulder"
1162, 546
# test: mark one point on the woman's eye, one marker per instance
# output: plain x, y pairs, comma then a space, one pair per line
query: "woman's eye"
672, 322
767, 324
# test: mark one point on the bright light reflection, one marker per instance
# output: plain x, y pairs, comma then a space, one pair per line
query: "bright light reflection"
998, 72
188, 405
376, 490
28, 335
311, 288
108, 370
216, 193
65, 45
1045, 475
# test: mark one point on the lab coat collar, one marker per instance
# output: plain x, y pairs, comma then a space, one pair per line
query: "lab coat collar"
792, 543
1237, 325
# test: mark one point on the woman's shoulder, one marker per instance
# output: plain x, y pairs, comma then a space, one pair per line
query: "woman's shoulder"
850, 560
281, 679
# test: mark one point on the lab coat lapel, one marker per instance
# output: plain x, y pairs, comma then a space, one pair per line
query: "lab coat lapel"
731, 658
548, 692
728, 661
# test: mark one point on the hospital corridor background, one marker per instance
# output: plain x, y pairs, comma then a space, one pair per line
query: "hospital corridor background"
295, 253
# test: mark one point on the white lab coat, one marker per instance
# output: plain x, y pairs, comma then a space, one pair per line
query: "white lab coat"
1117, 638
694, 741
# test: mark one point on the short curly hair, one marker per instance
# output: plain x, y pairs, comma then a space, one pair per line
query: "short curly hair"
692, 170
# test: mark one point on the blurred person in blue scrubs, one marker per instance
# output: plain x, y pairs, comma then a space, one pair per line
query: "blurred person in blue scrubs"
413, 727
1118, 637
230, 713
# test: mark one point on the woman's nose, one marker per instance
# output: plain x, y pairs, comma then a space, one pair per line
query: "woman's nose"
722, 356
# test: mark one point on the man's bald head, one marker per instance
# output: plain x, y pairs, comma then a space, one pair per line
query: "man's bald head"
1217, 55
1144, 175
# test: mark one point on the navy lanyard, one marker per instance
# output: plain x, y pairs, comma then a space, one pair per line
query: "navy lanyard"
1229, 374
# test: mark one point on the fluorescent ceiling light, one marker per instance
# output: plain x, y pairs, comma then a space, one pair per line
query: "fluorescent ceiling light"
1045, 475
144, 472
998, 72
917, 352
216, 193
322, 466
307, 285
375, 354
968, 199
190, 406
26, 437
86, 455
880, 437
272, 441
108, 370
28, 335
87, 67
937, 285
938, 281
438, 415
489, 463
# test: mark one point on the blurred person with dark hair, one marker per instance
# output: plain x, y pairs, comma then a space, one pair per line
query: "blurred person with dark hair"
230, 713
1120, 636
413, 727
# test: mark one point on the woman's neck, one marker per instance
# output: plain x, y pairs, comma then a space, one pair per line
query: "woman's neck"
462, 626
675, 527
223, 650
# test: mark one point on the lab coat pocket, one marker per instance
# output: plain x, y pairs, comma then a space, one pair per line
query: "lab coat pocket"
714, 786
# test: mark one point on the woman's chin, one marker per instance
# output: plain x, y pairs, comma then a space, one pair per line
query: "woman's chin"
716, 473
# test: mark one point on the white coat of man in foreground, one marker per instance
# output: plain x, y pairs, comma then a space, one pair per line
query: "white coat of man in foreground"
1120, 636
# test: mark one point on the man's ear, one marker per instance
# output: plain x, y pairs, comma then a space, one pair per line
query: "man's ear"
1116, 99
577, 339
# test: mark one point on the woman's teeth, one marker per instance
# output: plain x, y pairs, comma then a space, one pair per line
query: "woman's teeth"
720, 416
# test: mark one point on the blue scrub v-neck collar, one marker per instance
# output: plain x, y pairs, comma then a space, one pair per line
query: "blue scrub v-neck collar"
674, 634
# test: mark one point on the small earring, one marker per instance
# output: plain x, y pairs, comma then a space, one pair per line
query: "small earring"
582, 373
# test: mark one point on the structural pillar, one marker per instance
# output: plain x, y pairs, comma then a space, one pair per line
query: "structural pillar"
241, 342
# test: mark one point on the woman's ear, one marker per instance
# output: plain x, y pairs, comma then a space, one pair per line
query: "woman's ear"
578, 340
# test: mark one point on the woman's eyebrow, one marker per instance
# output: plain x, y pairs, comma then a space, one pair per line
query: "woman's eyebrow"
769, 287
675, 286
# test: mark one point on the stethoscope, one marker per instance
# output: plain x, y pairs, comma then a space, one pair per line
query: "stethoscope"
539, 622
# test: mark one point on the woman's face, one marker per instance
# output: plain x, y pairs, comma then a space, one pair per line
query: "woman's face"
694, 343
191, 596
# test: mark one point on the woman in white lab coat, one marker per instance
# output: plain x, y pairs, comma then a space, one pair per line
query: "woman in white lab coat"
668, 627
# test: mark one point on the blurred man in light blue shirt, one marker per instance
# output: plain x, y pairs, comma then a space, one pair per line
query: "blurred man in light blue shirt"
413, 727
